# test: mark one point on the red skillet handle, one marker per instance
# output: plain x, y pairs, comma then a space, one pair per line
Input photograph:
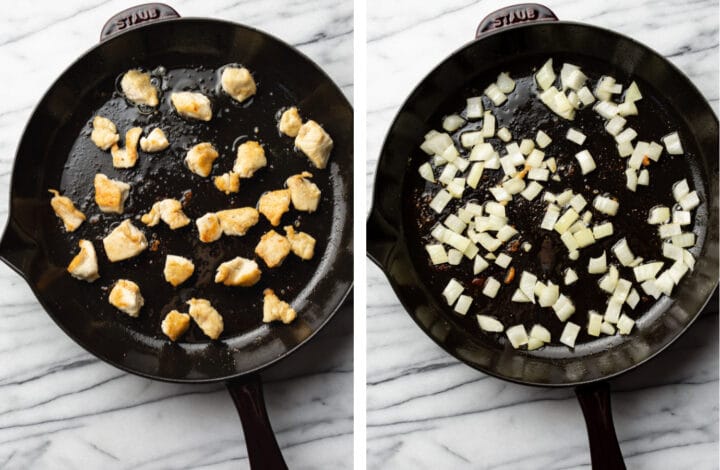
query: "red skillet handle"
513, 15
136, 16
263, 450
605, 452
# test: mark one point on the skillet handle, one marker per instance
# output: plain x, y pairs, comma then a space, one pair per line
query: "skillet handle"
262, 447
605, 452
514, 15
380, 239
136, 16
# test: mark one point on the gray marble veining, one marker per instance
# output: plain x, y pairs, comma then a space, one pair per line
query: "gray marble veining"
60, 408
425, 409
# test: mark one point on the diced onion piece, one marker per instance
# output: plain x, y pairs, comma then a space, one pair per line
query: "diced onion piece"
578, 202
542, 139
456, 188
439, 233
551, 216
625, 324
677, 271
454, 223
613, 310
475, 174
532, 190
631, 179
567, 219
633, 93
493, 163
461, 164
680, 189
540, 333
546, 75
538, 174
574, 135
682, 217
563, 308
606, 205
577, 226
491, 288
594, 322
570, 276
627, 108
628, 135
614, 126
503, 260
481, 152
584, 237
505, 83
494, 208
606, 109
633, 298
488, 128
495, 94
564, 198
574, 255
514, 185
569, 334
690, 201
448, 173
526, 146
452, 291
435, 143
508, 166
638, 155
471, 251
457, 241
527, 285
607, 328
549, 295
441, 199
463, 304
622, 252
654, 151
587, 218
454, 257
644, 177
625, 149
658, 215
587, 164
474, 108
672, 252
471, 139
558, 103
650, 288
572, 77
506, 233
452, 123
426, 172
586, 96
673, 144
683, 240
504, 134
534, 344
437, 253
517, 336
479, 265
669, 230
519, 297
608, 282
598, 265
665, 283
647, 271
489, 324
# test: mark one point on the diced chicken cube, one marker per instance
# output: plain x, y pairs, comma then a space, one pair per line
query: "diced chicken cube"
192, 105
127, 157
200, 158
274, 204
236, 222
175, 324
302, 244
65, 209
137, 88
104, 133
124, 242
273, 248
110, 195
228, 182
156, 141
125, 296
290, 122
177, 269
315, 143
169, 211
238, 83
304, 193
250, 158
238, 271
209, 228
275, 309
207, 318
84, 265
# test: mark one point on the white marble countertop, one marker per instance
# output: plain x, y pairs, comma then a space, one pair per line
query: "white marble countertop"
426, 410
60, 408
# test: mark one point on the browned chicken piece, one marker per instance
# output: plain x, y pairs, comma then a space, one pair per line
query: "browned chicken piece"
169, 211
315, 143
137, 88
127, 157
155, 141
302, 244
124, 242
250, 158
238, 83
228, 182
125, 296
236, 222
177, 269
273, 248
104, 133
290, 122
207, 318
275, 309
200, 159
110, 195
274, 204
84, 265
192, 105
175, 324
66, 211
209, 228
238, 271
304, 193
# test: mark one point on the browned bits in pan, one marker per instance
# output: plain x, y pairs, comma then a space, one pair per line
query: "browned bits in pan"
510, 275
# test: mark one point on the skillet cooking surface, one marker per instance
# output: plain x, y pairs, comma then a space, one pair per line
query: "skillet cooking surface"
191, 51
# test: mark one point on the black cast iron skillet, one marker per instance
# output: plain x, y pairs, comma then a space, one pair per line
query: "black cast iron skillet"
515, 38
51, 155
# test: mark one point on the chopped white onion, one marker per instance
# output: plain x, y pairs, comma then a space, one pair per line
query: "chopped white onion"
625, 149
569, 334
613, 310
682, 217
475, 174
448, 174
505, 83
474, 108
506, 233
570, 276
574, 135
680, 189
644, 177
587, 164
435, 143
572, 77
549, 295
677, 271
452, 123
587, 218
558, 103
622, 252
606, 109
672, 252
665, 283
488, 128
540, 333
606, 205
463, 304
563, 308
493, 163
683, 240
631, 179
527, 285
526, 146
455, 224
456, 188
490, 324
608, 282
654, 151
546, 75
669, 230
658, 215
673, 144
607, 328
542, 139
625, 324
633, 93
491, 288
426, 172
603, 230
650, 288
504, 134
566, 220
441, 199
594, 322
551, 216
461, 164
454, 257
633, 298
586, 96
578, 202
452, 291
503, 260
535, 158
471, 139
627, 108
437, 253
628, 135
471, 251
598, 265
457, 241
647, 271
538, 174
584, 237
514, 186
615, 125
565, 197
638, 155
690, 201
517, 336
534, 344
495, 94
479, 265
519, 297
